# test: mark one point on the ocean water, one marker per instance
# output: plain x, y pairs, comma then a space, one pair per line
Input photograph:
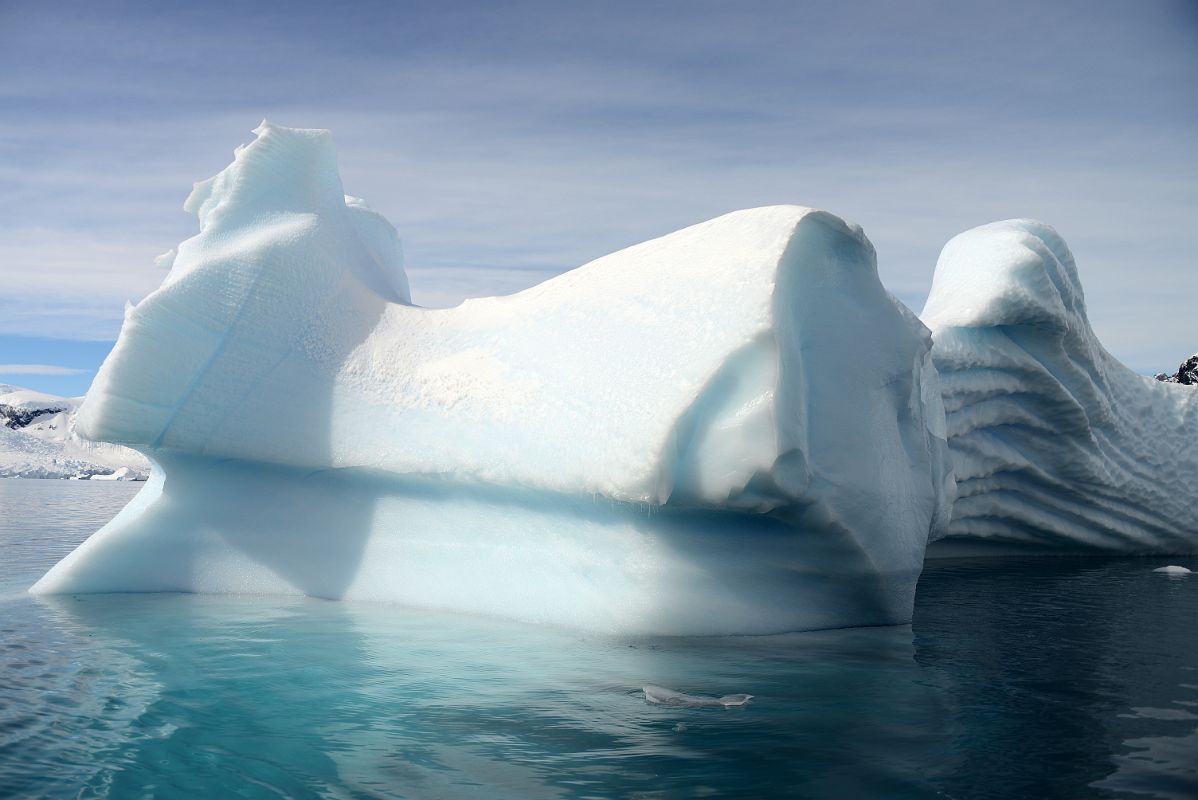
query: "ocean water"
1019, 678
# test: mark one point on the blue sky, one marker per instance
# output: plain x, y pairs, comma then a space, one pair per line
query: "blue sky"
512, 141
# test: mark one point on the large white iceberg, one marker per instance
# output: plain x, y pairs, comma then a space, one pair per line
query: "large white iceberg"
732, 428
1055, 444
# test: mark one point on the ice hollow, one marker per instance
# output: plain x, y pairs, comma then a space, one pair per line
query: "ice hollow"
1055, 444
732, 428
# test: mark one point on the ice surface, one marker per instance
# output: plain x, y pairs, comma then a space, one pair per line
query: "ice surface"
1055, 444
1173, 569
732, 428
658, 695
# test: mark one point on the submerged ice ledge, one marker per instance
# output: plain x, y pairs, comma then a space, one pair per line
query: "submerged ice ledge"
730, 429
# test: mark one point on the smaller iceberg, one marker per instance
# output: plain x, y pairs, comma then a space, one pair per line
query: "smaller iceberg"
1055, 445
1173, 569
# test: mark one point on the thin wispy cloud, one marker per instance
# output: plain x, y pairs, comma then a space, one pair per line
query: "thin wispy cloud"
72, 284
39, 369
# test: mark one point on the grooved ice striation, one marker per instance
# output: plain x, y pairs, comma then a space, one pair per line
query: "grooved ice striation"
1055, 444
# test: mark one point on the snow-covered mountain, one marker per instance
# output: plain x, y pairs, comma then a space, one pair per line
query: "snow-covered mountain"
1186, 374
38, 440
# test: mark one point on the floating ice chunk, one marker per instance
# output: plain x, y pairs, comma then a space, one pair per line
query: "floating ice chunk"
166, 260
122, 474
660, 696
730, 429
1173, 569
1055, 444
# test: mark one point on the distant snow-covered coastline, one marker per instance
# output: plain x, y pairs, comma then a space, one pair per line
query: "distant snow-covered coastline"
38, 440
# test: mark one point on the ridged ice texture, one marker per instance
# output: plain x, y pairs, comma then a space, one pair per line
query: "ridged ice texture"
732, 428
1054, 443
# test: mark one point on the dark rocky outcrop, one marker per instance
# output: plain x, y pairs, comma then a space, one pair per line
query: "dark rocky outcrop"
1186, 374
16, 418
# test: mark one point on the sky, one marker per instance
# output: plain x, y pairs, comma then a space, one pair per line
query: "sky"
510, 141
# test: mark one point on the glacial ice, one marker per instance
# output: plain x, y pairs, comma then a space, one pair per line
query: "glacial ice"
730, 429
1055, 445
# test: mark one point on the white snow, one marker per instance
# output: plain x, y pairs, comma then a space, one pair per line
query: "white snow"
1055, 444
732, 428
30, 400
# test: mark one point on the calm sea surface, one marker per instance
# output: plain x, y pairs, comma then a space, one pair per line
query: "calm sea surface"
1050, 678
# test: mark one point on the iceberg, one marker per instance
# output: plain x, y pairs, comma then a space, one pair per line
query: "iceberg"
733, 428
1056, 446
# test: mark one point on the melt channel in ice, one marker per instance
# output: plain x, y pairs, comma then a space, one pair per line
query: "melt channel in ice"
1055, 444
730, 429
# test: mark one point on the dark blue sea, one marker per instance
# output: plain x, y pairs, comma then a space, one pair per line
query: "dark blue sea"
1019, 678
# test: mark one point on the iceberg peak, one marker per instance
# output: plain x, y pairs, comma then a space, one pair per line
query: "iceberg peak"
284, 170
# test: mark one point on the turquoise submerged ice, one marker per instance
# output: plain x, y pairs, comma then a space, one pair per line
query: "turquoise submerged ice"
730, 429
